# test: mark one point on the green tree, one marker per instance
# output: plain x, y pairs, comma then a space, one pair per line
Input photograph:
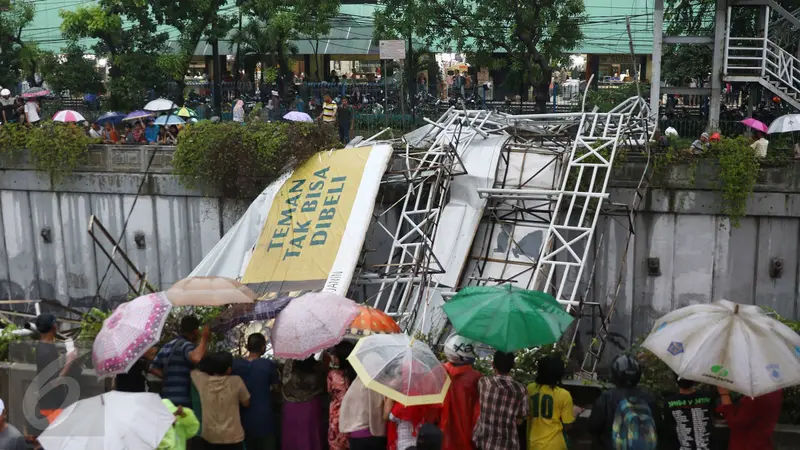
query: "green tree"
314, 22
12, 20
72, 71
133, 50
194, 20
533, 36
256, 38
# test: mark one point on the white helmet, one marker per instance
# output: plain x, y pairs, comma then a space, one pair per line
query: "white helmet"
5, 92
460, 350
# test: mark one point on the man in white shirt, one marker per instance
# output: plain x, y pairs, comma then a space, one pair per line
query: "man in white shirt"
32, 112
760, 145
95, 132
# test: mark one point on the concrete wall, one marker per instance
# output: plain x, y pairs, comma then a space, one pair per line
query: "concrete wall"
179, 225
702, 256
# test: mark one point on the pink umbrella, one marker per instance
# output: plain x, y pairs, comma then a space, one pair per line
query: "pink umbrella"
755, 124
128, 333
35, 92
68, 115
310, 323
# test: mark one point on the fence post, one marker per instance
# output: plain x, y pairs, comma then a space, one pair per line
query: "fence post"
766, 40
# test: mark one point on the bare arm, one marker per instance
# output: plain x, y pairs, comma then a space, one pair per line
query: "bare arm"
200, 351
71, 356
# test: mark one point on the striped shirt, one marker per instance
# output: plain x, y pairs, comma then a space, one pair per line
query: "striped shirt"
173, 360
329, 112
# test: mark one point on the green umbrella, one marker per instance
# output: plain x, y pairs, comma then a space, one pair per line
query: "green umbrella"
507, 318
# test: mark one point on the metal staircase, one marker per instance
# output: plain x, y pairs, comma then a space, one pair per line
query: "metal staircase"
764, 61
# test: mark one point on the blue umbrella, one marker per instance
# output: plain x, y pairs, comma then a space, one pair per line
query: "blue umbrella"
137, 115
111, 116
170, 120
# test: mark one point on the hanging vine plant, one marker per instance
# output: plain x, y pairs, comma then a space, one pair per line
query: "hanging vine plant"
736, 176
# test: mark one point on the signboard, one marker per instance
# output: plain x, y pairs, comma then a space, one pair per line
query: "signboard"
312, 236
395, 49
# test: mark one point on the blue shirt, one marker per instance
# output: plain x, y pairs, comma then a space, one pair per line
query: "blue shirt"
151, 133
258, 376
173, 360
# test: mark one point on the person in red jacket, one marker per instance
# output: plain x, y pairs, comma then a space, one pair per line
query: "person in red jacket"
461, 408
751, 420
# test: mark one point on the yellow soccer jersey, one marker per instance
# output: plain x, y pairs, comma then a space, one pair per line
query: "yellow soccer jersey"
550, 409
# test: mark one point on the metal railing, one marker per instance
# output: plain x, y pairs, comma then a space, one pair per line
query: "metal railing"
763, 58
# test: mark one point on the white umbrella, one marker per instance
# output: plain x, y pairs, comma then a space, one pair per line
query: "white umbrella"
68, 115
297, 116
785, 124
110, 421
160, 104
738, 347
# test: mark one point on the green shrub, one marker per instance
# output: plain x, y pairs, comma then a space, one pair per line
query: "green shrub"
238, 160
55, 148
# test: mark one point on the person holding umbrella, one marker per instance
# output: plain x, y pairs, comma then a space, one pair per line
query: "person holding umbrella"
752, 420
151, 131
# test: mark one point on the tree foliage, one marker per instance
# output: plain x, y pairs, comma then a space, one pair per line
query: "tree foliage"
12, 20
133, 49
529, 38
72, 72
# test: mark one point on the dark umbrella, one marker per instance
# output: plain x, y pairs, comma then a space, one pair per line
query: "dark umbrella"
111, 116
248, 312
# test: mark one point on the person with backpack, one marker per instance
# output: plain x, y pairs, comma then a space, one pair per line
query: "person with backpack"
551, 408
624, 417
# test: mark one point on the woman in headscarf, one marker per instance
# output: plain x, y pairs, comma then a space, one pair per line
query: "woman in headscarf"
340, 377
303, 387
238, 112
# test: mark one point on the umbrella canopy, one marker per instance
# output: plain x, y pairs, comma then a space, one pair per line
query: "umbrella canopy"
755, 124
507, 318
209, 291
111, 116
311, 323
68, 115
114, 420
401, 368
35, 92
738, 347
128, 333
242, 313
185, 112
297, 116
169, 120
160, 105
137, 115
785, 124
371, 321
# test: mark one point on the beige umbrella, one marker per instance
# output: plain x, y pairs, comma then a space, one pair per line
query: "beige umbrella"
209, 291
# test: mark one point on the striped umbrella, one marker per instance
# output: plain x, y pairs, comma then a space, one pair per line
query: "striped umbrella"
35, 92
137, 115
68, 115
242, 313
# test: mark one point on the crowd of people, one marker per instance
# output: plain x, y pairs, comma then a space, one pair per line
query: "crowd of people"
256, 403
18, 109
140, 132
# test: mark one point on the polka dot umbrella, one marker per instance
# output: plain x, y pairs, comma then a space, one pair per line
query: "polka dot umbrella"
128, 333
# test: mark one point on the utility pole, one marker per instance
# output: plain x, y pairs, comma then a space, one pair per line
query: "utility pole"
658, 37
238, 55
217, 78
412, 77
720, 21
